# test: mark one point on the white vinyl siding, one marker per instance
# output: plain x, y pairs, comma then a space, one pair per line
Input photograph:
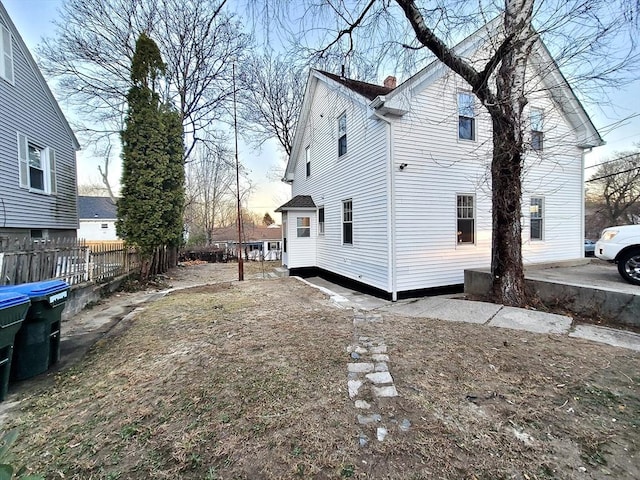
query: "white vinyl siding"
6, 49
301, 241
362, 178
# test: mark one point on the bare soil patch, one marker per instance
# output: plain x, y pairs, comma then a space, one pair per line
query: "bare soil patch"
248, 381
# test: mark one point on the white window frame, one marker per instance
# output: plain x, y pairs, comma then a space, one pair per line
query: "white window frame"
307, 158
465, 216
301, 227
464, 113
536, 120
7, 71
321, 220
342, 133
536, 213
47, 165
347, 219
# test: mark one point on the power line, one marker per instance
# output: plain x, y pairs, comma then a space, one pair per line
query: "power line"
613, 174
614, 160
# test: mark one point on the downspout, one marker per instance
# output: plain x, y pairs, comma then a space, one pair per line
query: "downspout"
391, 208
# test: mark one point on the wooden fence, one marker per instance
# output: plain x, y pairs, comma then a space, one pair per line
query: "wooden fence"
70, 260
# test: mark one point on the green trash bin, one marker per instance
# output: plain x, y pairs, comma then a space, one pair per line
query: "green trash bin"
37, 343
13, 309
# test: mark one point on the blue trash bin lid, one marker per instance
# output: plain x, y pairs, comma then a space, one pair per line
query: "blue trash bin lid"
11, 299
53, 291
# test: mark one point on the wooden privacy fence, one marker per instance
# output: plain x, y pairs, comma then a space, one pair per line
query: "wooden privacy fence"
71, 260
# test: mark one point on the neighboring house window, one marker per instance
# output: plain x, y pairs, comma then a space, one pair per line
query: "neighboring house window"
321, 221
37, 234
304, 226
536, 119
272, 246
342, 134
307, 156
537, 218
104, 225
347, 222
466, 116
6, 62
37, 166
466, 218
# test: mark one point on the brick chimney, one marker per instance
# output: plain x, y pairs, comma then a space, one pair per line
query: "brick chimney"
390, 82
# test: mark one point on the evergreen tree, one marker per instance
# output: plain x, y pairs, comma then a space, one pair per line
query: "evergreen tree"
152, 201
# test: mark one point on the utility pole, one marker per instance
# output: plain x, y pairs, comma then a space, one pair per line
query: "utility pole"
235, 129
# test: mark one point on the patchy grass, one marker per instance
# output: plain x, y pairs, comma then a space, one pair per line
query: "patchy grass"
248, 381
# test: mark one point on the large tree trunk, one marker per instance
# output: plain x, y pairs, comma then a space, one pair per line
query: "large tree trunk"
506, 253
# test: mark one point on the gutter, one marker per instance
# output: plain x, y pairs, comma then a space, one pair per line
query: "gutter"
391, 207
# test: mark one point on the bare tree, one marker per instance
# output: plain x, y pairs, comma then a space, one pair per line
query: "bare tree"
577, 31
614, 191
271, 89
92, 50
210, 186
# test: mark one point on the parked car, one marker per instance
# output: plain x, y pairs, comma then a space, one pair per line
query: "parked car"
589, 248
621, 245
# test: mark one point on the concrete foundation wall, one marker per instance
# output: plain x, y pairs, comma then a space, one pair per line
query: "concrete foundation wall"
619, 307
82, 295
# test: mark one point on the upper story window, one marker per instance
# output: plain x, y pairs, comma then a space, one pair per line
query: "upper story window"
6, 48
536, 119
342, 134
536, 210
304, 226
466, 218
321, 221
466, 116
307, 157
37, 166
347, 222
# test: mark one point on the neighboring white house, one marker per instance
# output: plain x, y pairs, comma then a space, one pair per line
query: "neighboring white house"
37, 148
97, 217
258, 242
391, 185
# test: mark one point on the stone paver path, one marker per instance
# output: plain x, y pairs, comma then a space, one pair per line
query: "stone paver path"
370, 381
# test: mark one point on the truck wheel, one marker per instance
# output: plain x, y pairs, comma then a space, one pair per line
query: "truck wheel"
629, 266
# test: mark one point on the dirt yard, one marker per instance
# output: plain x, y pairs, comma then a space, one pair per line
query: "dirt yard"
249, 381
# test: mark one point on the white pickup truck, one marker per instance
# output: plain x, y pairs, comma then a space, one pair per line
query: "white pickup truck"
621, 245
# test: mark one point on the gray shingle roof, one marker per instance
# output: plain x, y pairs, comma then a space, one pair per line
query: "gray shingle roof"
299, 201
368, 90
96, 207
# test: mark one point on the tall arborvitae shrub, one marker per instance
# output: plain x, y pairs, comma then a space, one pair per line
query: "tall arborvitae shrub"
152, 186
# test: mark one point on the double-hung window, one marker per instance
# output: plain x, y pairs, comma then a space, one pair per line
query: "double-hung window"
37, 166
466, 116
307, 158
304, 226
536, 212
321, 221
347, 222
6, 50
536, 119
466, 218
342, 134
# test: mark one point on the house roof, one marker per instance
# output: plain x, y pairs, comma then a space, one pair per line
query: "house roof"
38, 74
251, 233
368, 90
299, 201
102, 208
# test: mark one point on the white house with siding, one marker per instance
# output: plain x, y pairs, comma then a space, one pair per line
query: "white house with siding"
391, 184
37, 148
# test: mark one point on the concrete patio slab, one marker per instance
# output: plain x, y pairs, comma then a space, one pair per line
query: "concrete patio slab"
464, 311
610, 336
531, 320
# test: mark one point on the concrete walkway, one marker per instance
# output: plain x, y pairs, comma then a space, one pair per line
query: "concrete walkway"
449, 308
